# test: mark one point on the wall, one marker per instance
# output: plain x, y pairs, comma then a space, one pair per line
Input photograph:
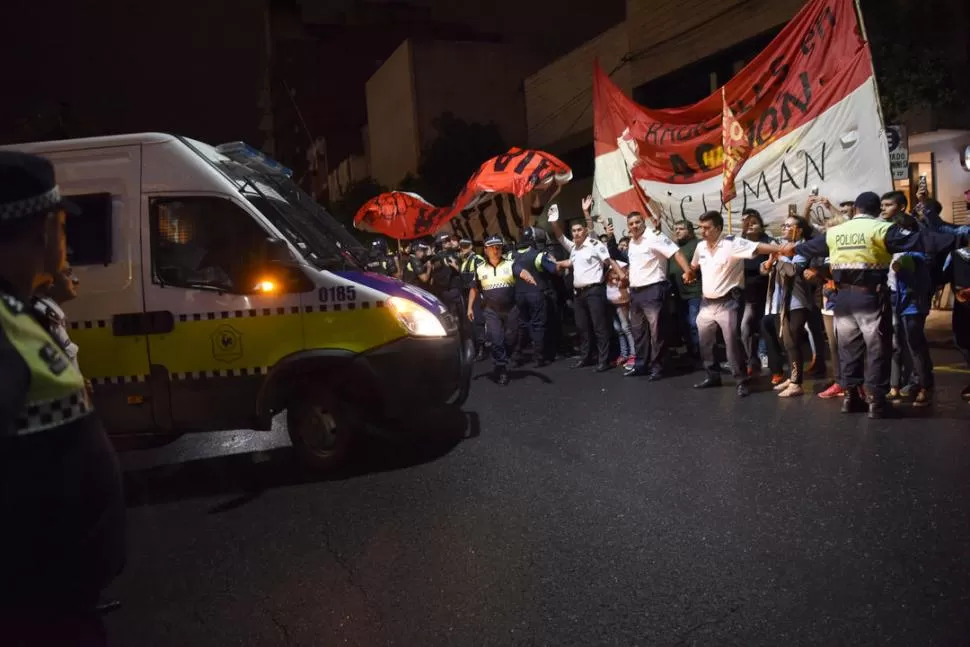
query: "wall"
951, 178
668, 34
392, 119
558, 98
353, 169
478, 82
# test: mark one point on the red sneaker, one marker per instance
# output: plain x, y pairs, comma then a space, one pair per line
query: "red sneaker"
620, 361
834, 391
777, 379
632, 361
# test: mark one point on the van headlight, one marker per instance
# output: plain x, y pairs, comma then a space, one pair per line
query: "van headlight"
417, 320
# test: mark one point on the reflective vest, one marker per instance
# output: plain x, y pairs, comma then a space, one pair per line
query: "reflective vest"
497, 284
57, 395
859, 244
469, 266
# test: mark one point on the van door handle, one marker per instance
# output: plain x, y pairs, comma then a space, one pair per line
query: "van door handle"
158, 322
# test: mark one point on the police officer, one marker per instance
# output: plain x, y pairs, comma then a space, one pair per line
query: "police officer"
445, 273
60, 488
495, 282
381, 260
417, 266
860, 253
470, 260
532, 298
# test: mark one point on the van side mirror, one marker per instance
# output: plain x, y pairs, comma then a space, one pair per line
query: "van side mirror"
277, 251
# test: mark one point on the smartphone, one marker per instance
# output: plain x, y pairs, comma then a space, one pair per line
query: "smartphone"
792, 210
922, 182
815, 191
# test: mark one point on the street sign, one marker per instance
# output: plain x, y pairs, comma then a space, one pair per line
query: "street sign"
898, 151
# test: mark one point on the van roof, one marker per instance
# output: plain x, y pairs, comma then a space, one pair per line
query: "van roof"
39, 148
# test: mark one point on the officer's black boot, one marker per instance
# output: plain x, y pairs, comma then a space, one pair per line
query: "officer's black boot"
877, 408
852, 400
501, 376
480, 355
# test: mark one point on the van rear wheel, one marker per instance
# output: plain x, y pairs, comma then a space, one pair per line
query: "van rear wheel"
321, 435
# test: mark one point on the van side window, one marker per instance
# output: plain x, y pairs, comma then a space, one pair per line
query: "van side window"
205, 243
89, 232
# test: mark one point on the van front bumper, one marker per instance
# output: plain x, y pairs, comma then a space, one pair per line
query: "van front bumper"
415, 374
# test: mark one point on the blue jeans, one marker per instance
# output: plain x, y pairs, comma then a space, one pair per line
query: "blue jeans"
621, 324
687, 310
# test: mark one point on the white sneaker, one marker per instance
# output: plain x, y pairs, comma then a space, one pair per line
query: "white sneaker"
792, 391
781, 386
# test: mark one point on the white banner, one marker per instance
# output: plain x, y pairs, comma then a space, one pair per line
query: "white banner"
842, 152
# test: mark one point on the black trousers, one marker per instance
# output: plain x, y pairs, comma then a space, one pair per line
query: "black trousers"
754, 312
503, 330
62, 517
589, 308
648, 321
533, 317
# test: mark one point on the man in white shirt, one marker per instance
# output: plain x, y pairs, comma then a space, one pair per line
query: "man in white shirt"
647, 255
720, 260
588, 258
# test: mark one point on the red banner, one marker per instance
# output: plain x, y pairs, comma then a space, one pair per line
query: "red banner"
737, 147
817, 60
405, 216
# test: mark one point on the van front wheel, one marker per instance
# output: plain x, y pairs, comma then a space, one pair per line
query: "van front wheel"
320, 434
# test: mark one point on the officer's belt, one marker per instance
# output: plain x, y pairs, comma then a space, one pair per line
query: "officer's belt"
858, 266
587, 287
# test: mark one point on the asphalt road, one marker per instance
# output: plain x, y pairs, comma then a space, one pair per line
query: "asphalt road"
573, 509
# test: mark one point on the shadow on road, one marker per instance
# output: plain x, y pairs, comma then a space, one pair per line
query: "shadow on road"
248, 475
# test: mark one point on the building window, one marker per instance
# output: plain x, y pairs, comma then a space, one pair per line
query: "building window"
205, 243
89, 232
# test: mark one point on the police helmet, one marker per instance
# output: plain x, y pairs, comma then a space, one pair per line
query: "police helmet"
379, 246
528, 237
494, 241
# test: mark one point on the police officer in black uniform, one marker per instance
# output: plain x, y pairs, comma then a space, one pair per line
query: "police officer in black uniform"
470, 260
381, 260
495, 282
532, 299
417, 266
445, 274
61, 505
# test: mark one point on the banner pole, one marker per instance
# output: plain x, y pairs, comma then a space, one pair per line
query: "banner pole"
730, 220
875, 80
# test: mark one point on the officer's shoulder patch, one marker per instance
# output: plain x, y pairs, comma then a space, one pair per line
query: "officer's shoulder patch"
905, 232
12, 303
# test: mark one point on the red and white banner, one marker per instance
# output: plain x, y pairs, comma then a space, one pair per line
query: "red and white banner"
405, 216
807, 105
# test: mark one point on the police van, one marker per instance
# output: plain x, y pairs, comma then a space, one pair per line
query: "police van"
215, 294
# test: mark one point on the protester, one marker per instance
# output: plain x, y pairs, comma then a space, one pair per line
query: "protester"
790, 306
720, 260
618, 293
647, 257
588, 258
755, 290
687, 296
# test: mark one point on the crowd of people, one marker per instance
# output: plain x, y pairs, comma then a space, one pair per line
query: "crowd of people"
841, 294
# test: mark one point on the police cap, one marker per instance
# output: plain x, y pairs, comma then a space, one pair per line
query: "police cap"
28, 188
494, 241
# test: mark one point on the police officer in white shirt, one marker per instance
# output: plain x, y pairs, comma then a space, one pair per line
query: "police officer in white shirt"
647, 256
588, 258
720, 260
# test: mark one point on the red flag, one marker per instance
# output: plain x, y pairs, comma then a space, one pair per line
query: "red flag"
737, 147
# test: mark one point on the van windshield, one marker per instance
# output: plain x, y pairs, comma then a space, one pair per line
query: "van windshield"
306, 225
